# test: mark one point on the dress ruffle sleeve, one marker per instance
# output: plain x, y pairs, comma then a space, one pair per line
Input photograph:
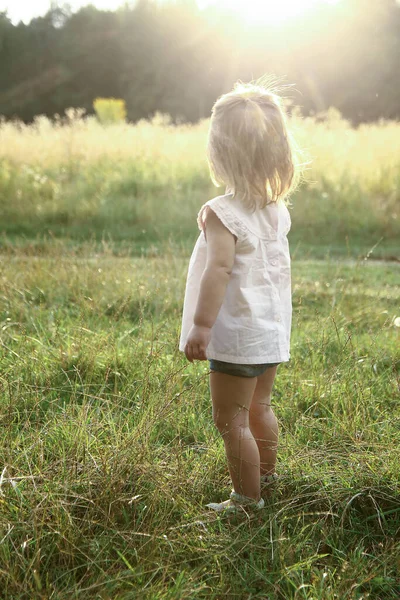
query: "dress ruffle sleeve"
220, 206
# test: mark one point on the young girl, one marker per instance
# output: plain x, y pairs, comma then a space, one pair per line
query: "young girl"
237, 309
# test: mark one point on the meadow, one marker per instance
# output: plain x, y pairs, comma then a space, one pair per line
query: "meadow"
108, 450
137, 187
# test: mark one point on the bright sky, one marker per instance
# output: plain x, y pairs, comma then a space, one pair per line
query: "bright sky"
25, 10
256, 11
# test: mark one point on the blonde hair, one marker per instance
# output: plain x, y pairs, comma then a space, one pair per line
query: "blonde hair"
249, 148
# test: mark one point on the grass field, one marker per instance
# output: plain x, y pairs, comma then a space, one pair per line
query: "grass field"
138, 186
108, 451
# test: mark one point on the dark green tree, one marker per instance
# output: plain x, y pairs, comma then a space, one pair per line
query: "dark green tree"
174, 58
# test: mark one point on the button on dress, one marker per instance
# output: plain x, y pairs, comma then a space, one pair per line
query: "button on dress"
254, 323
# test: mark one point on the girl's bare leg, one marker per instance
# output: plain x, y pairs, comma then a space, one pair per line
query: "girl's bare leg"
231, 398
263, 423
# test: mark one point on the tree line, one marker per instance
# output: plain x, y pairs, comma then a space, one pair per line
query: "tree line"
174, 58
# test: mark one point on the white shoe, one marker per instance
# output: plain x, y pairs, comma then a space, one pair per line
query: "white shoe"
236, 503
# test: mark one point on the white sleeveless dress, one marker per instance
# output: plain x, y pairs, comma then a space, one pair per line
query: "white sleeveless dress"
254, 323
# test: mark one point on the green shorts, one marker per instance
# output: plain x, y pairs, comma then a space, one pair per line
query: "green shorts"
240, 370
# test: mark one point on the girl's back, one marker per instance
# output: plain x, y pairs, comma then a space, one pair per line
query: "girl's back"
254, 322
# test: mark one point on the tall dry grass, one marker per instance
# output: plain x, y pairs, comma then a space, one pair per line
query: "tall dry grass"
77, 177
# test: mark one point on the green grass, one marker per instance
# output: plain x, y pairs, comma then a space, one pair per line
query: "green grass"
139, 186
110, 454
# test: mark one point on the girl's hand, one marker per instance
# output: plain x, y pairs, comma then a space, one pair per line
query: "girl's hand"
197, 342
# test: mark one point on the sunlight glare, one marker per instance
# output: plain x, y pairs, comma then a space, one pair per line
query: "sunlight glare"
266, 11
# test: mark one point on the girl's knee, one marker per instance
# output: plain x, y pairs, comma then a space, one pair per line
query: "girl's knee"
226, 421
260, 409
221, 423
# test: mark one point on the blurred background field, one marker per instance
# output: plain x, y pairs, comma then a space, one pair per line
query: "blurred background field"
139, 183
139, 186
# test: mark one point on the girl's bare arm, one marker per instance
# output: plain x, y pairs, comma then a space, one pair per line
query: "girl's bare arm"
220, 259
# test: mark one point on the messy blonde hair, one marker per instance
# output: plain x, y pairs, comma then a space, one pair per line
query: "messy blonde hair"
249, 149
